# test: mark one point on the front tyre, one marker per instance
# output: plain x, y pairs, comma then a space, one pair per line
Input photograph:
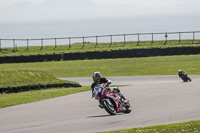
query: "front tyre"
128, 108
109, 107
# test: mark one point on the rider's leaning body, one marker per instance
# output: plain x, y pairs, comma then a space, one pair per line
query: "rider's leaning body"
181, 73
101, 80
98, 81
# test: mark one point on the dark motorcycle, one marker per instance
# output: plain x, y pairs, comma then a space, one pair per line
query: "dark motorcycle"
185, 78
183, 75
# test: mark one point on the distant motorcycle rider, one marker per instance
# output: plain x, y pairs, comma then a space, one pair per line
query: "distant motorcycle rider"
183, 75
102, 80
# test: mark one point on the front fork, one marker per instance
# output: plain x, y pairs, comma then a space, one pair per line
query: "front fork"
107, 100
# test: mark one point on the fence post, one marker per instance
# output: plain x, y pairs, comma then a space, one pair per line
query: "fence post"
138, 39
27, 45
110, 40
41, 44
0, 45
55, 43
179, 38
13, 44
96, 41
152, 39
165, 38
69, 42
124, 39
193, 38
83, 42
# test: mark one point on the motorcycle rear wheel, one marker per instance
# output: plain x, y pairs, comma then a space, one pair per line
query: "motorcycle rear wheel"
109, 108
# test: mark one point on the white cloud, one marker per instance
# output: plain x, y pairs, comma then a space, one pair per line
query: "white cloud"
8, 3
144, 3
33, 10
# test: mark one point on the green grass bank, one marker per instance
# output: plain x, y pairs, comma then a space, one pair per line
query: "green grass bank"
89, 46
186, 127
15, 78
165, 65
11, 99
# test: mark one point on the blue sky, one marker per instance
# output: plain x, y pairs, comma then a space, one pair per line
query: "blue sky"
46, 10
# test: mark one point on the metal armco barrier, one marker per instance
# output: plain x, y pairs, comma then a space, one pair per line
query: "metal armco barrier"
127, 53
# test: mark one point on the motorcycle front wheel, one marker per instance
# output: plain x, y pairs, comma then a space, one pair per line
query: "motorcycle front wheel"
110, 108
128, 108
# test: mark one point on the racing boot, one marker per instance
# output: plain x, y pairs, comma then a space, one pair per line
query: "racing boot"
125, 101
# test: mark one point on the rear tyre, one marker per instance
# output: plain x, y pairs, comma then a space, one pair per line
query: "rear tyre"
109, 108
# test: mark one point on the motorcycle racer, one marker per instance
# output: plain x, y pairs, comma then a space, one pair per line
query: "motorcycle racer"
183, 75
96, 89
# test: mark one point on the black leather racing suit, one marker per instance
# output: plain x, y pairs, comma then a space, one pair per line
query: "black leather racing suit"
101, 81
105, 80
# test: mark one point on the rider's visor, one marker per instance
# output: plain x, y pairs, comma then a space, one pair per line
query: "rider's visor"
95, 78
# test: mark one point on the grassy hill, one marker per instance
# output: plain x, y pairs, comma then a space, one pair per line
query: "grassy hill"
15, 78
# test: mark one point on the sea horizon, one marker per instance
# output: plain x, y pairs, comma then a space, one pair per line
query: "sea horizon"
97, 27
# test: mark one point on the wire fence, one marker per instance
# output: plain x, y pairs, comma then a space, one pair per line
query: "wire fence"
124, 38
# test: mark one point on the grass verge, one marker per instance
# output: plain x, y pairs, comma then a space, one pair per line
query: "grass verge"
12, 99
165, 65
186, 127
20, 78
78, 47
15, 78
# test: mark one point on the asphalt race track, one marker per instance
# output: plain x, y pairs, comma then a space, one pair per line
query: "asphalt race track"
155, 100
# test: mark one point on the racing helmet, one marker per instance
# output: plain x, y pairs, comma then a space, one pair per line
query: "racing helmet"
96, 76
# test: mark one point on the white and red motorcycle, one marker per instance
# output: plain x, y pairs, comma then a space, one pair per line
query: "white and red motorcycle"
111, 101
